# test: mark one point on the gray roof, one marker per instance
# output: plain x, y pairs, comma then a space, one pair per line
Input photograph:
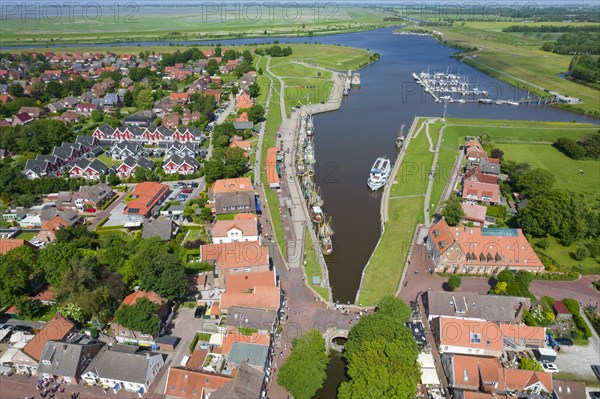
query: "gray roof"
473, 305
243, 125
243, 199
246, 384
250, 318
145, 163
67, 216
66, 359
255, 355
161, 228
121, 363
97, 192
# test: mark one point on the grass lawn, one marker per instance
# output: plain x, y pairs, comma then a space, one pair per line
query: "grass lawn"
294, 70
193, 233
26, 236
312, 267
300, 91
562, 255
108, 160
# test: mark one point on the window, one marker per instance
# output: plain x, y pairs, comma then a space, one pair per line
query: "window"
475, 338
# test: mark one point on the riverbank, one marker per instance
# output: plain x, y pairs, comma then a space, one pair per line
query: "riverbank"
517, 59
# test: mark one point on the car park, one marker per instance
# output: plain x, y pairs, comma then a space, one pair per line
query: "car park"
550, 367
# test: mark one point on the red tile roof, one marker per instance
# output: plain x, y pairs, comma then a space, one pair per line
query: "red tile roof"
474, 212
235, 254
560, 308
272, 175
148, 195
248, 281
132, 298
191, 384
55, 329
262, 297
8, 244
232, 185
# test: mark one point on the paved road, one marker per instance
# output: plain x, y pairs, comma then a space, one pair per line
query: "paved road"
105, 213
436, 151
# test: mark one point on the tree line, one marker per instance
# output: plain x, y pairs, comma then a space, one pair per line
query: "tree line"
551, 28
588, 147
575, 43
585, 69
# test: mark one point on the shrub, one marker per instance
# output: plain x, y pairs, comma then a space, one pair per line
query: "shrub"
582, 325
542, 243
571, 304
454, 282
581, 253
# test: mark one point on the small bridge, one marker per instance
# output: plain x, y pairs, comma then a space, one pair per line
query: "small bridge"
333, 333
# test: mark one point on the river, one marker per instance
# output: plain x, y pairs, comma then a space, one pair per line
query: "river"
348, 141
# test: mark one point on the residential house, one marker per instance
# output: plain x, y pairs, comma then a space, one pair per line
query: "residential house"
128, 132
67, 360
185, 383
124, 149
471, 305
477, 250
244, 101
247, 282
171, 120
481, 192
188, 117
190, 133
234, 196
149, 196
243, 227
69, 117
180, 98
69, 102
141, 119
474, 214
8, 244
181, 165
187, 149
247, 383
521, 337
469, 376
22, 118
475, 174
235, 258
34, 112
564, 389
263, 320
215, 93
474, 151
87, 197
94, 170
466, 337
242, 144
87, 108
247, 79
124, 367
127, 336
57, 328
129, 165
255, 355
260, 297
55, 107
164, 229
273, 168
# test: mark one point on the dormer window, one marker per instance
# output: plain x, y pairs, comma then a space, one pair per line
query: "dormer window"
475, 338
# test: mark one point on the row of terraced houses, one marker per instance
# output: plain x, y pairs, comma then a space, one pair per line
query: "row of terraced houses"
149, 135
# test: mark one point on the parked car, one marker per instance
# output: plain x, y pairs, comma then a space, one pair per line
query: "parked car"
195, 185
179, 184
550, 367
189, 219
187, 190
596, 370
182, 197
200, 310
595, 395
564, 341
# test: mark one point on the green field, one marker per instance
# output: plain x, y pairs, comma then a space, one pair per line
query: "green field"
562, 255
166, 23
293, 70
566, 170
517, 59
26, 236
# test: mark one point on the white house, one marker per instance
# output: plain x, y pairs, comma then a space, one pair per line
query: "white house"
243, 227
124, 367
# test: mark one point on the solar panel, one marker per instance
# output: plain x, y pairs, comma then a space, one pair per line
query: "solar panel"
499, 232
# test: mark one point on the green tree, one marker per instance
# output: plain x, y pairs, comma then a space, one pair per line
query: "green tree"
97, 115
534, 181
144, 99
304, 371
160, 270
206, 214
55, 259
256, 113
254, 90
141, 316
500, 288
453, 211
128, 98
530, 364
454, 282
15, 90
382, 369
394, 307
72, 312
16, 269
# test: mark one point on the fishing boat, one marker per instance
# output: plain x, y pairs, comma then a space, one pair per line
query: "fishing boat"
316, 214
325, 233
310, 127
380, 172
400, 138
355, 79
